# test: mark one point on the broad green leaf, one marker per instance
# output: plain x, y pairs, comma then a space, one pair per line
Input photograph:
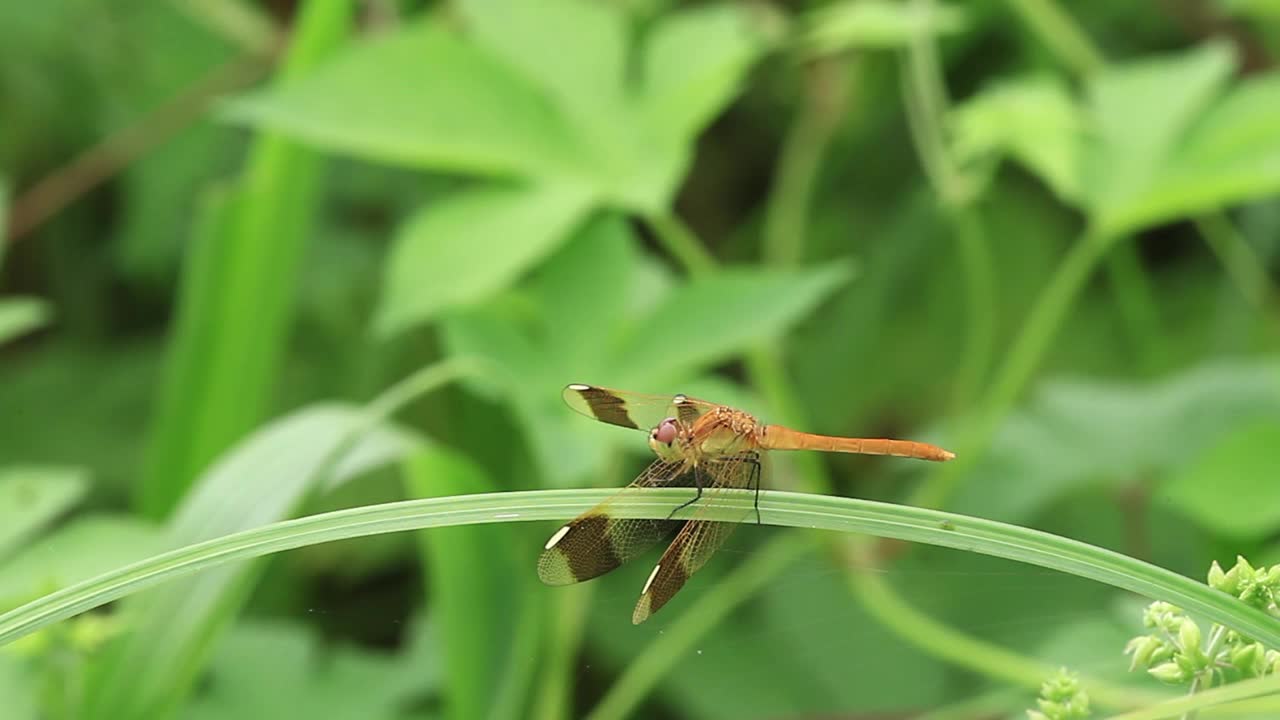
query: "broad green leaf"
1034, 121
574, 51
19, 316
463, 248
263, 479
277, 670
1231, 155
561, 331
694, 63
877, 24
420, 97
583, 291
85, 547
1113, 433
602, 318
472, 582
713, 317
32, 497
1141, 112
1233, 487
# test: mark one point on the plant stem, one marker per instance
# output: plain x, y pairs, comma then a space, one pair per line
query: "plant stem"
1241, 263
1028, 348
806, 143
681, 242
960, 649
1061, 35
1137, 305
1215, 639
927, 109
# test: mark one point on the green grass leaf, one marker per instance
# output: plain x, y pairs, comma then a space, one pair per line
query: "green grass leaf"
237, 296
463, 248
1233, 487
419, 97
820, 512
32, 497
19, 316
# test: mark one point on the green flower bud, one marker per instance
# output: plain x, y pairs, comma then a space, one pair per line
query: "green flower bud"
1216, 576
1231, 581
1143, 649
1249, 659
1189, 637
1272, 661
1162, 615
1171, 673
1051, 709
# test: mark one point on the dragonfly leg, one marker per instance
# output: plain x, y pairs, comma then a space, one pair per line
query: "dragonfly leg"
697, 483
755, 480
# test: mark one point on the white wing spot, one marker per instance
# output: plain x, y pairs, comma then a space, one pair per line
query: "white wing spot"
579, 387
557, 537
649, 582
680, 399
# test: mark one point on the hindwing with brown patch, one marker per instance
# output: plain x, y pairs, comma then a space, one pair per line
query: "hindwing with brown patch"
595, 542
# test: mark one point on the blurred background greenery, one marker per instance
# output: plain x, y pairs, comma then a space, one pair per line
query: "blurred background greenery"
1044, 235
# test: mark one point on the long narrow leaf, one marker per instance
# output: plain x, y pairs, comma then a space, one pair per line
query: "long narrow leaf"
237, 295
777, 508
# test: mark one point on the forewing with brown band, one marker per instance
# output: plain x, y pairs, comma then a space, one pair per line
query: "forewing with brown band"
632, 410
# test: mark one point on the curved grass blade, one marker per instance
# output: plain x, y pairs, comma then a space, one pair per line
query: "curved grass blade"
777, 508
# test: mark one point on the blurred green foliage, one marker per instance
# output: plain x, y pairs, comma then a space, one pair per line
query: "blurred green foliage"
1046, 235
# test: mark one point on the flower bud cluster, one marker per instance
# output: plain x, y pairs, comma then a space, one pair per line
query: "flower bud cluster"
1176, 651
1259, 587
1061, 699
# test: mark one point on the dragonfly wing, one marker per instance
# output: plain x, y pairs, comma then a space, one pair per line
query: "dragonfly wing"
632, 410
596, 542
699, 539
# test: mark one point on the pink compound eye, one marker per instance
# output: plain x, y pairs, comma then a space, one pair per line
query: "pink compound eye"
665, 433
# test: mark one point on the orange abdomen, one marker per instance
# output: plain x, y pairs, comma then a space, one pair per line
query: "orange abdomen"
777, 437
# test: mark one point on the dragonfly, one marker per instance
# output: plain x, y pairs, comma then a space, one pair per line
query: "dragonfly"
703, 446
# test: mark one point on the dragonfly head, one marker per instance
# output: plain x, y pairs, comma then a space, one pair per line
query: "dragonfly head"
663, 439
